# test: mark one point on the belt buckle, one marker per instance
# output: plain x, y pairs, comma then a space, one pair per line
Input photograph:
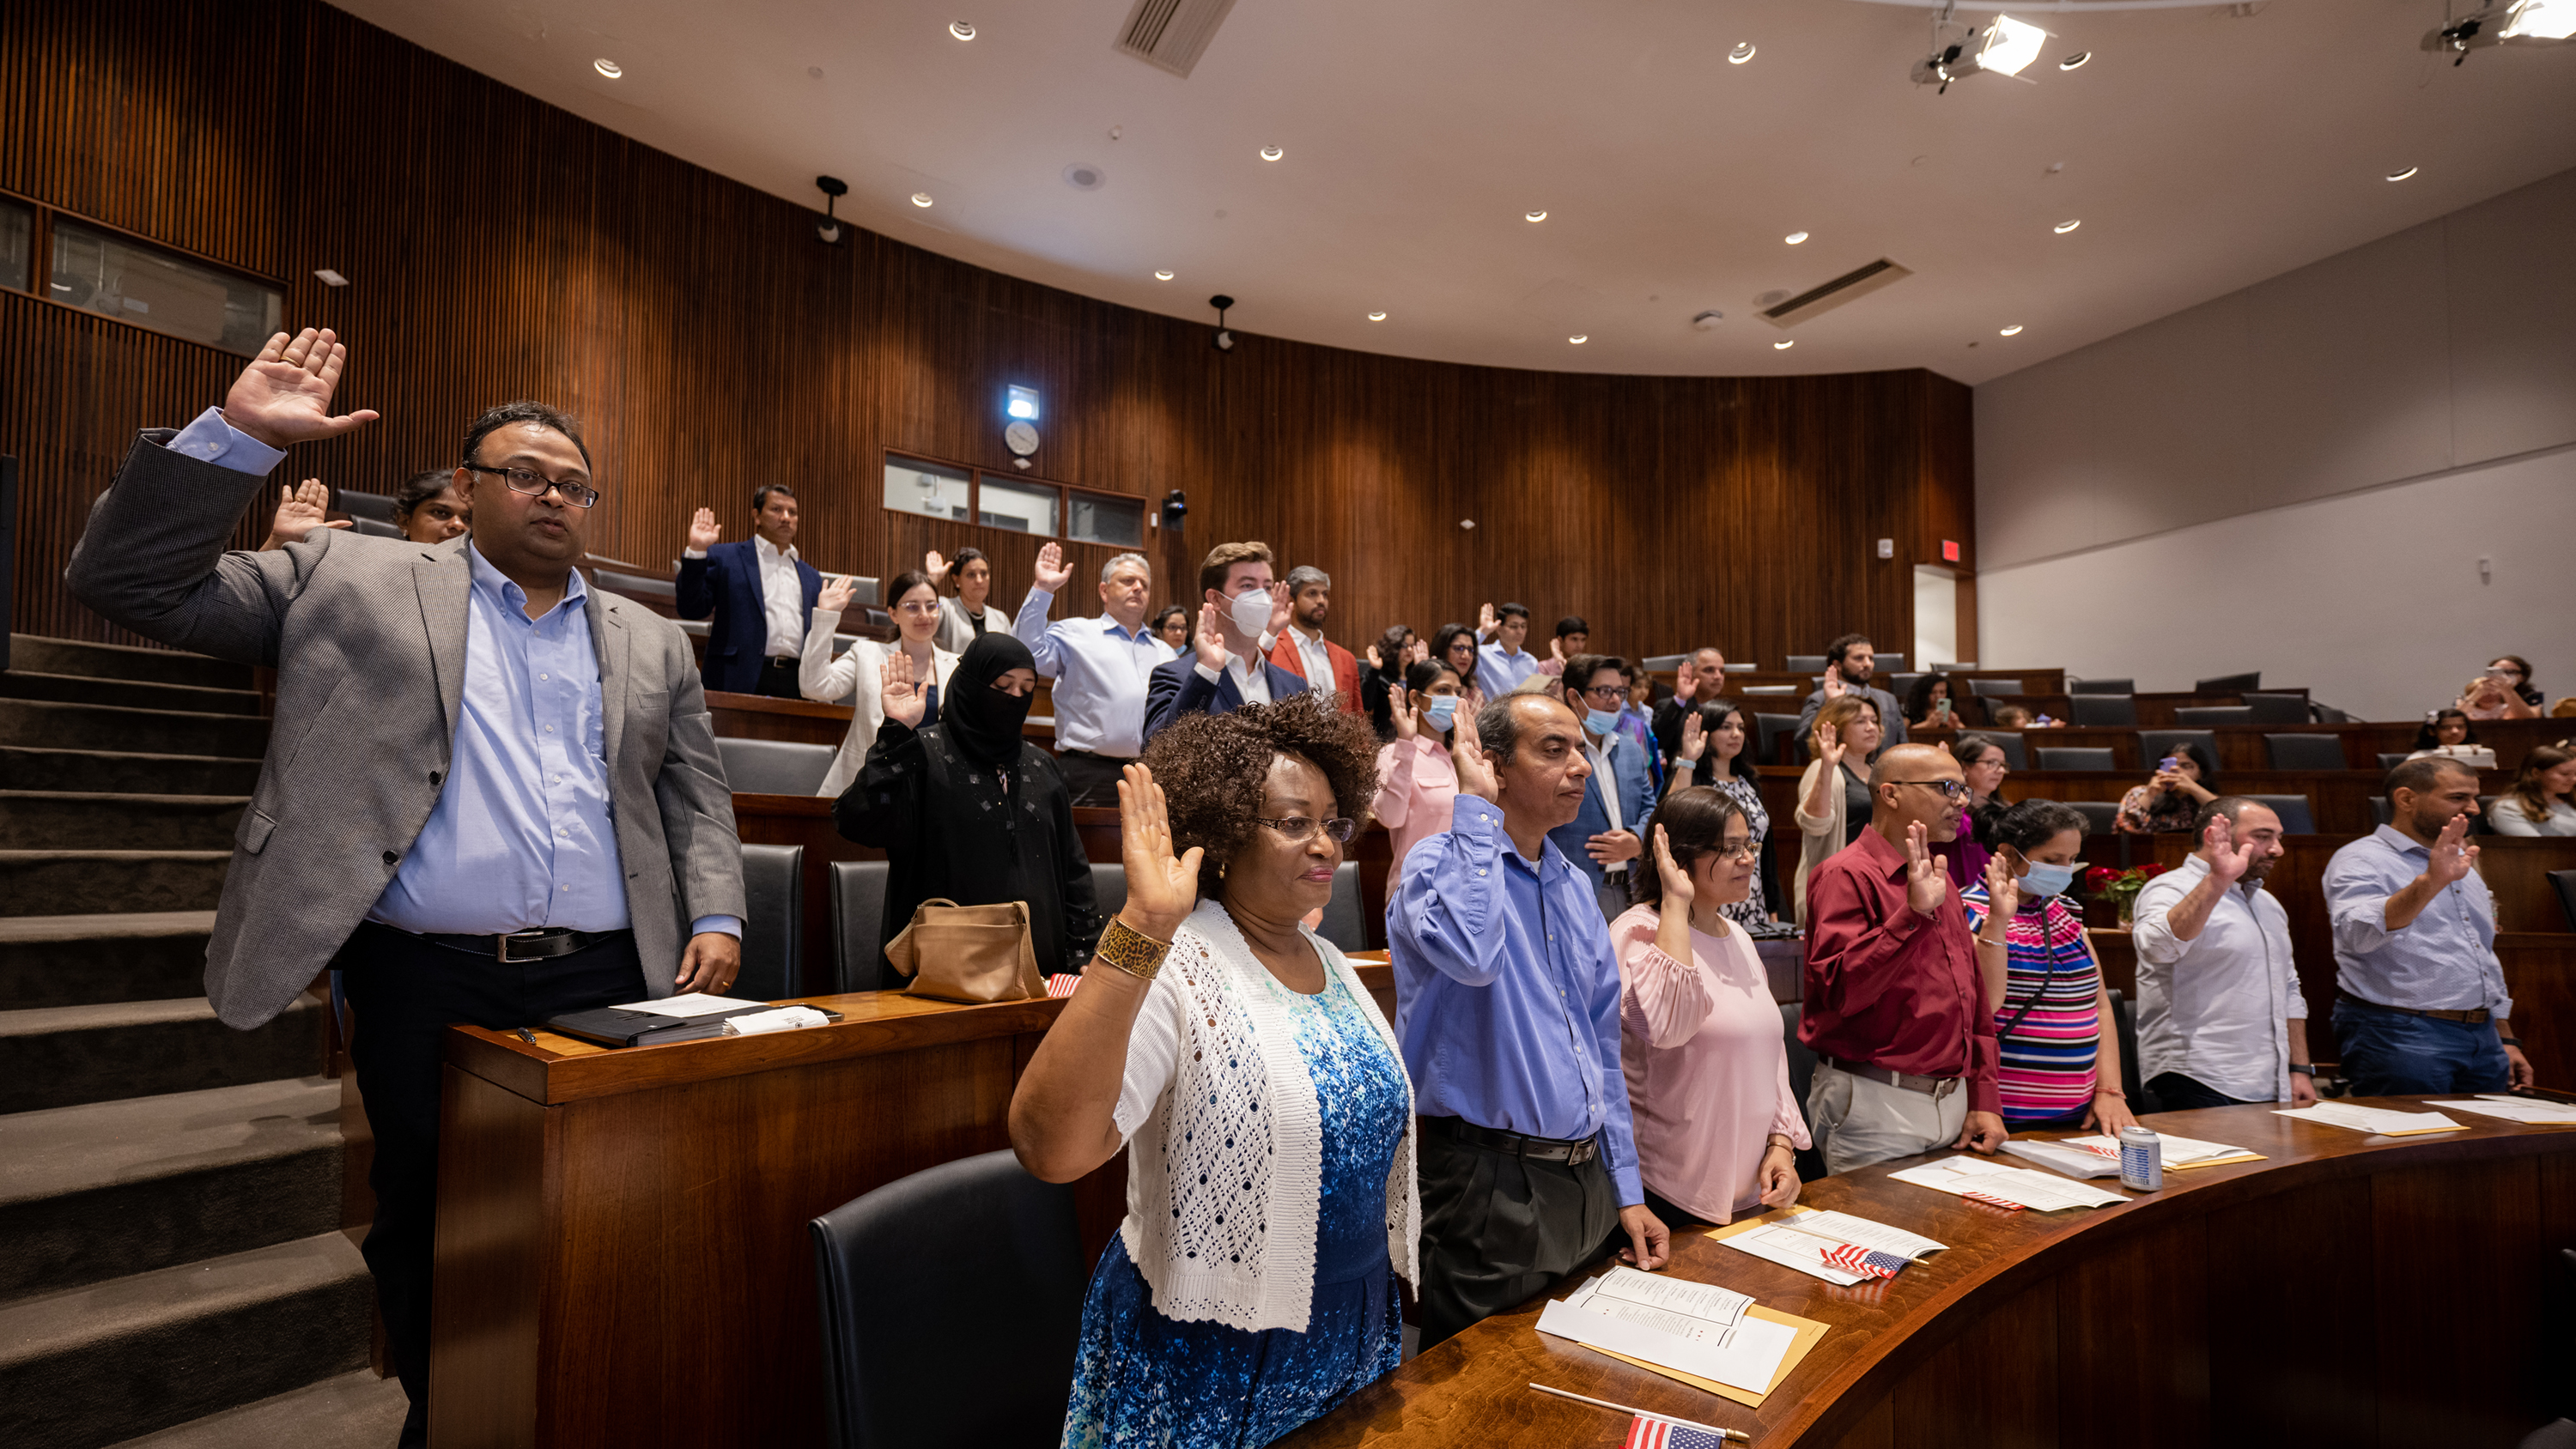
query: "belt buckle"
501, 946
1944, 1087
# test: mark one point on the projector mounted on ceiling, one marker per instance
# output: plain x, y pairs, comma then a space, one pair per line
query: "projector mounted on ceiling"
1172, 34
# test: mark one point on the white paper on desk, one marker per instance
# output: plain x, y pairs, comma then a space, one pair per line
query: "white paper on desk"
2178, 1151
2367, 1119
2021, 1185
785, 1018
2061, 1157
1744, 1355
2518, 1109
1663, 1299
694, 1003
1800, 1240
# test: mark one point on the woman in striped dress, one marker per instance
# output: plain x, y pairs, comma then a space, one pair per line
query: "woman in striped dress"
2060, 1049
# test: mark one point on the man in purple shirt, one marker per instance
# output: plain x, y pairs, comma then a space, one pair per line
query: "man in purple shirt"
1507, 1007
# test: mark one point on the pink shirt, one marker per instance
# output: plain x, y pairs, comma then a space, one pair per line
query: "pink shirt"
1708, 1071
1416, 783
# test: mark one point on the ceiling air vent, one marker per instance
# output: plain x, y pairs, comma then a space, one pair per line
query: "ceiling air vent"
1172, 34
1856, 283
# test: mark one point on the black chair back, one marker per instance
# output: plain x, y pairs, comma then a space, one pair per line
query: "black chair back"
2076, 757
858, 921
951, 1306
1108, 888
2208, 715
1900, 685
2380, 814
1982, 688
2229, 684
375, 528
2098, 710
1802, 1075
773, 767
773, 923
2304, 752
378, 507
1772, 729
2101, 817
2278, 708
1345, 923
1805, 664
2124, 1024
2101, 686
2564, 882
2390, 760
2010, 742
1886, 664
2296, 817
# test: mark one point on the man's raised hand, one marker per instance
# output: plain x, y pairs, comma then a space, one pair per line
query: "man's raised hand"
2452, 856
1926, 886
1475, 772
1209, 639
2228, 861
704, 530
284, 396
1053, 573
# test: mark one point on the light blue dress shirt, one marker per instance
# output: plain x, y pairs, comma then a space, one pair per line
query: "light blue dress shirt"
1101, 674
2444, 960
1507, 992
522, 835
1498, 673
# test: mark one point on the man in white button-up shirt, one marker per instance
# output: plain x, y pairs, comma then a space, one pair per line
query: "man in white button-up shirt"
760, 594
2220, 1017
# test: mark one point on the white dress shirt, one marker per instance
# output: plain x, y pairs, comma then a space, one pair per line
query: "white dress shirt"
782, 598
1317, 659
1250, 681
2216, 1008
1609, 778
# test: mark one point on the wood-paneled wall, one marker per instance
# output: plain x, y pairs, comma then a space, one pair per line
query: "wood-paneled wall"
498, 248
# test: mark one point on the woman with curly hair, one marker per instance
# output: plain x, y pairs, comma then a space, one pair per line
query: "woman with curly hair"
1271, 1200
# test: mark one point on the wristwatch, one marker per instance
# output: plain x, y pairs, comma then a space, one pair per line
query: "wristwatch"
2305, 1069
2511, 1041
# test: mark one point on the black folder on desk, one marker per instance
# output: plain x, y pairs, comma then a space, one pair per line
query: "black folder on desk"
614, 1026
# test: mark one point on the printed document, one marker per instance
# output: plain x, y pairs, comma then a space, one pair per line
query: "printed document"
2020, 1186
2518, 1109
2379, 1121
2178, 1151
1698, 1328
1801, 1239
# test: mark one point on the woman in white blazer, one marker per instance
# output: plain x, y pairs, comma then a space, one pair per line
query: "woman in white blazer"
967, 615
821, 677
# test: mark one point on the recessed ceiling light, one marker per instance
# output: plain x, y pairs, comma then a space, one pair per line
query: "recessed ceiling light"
608, 68
2013, 331
1271, 153
2075, 61
1740, 54
1377, 316
1794, 237
1161, 276
1534, 216
1579, 338
2063, 227
921, 198
961, 30
2402, 175
1784, 346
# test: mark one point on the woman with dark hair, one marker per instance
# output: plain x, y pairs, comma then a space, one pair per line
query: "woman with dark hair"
1981, 764
2442, 729
855, 675
2054, 1029
1271, 1202
2172, 797
1833, 796
2538, 803
1416, 778
2492, 696
1455, 645
2516, 673
968, 614
1172, 626
1383, 670
1927, 704
428, 510
1718, 1127
1712, 755
967, 810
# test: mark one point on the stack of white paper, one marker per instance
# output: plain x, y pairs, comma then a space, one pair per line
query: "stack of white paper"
694, 1003
1801, 1239
2519, 1109
2377, 1120
1697, 1328
2178, 1151
2067, 1157
1964, 1175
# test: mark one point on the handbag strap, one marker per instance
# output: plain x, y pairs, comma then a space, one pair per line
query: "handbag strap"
2048, 973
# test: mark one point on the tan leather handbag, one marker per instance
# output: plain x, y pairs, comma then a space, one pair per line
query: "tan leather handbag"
973, 954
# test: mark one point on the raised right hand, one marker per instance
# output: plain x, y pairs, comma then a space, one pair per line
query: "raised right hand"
1486, 620
1676, 881
837, 591
704, 531
1835, 688
1475, 772
2227, 862
1053, 573
1161, 890
2003, 889
1926, 884
1399, 707
300, 510
2452, 856
1375, 661
1830, 746
1694, 738
904, 703
284, 396
935, 566
1209, 639
1416, 652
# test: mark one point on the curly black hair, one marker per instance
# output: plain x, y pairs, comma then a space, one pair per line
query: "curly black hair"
1212, 768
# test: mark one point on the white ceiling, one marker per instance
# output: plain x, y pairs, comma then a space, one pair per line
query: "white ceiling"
2203, 149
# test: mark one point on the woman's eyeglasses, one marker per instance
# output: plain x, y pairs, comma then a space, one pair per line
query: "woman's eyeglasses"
1301, 828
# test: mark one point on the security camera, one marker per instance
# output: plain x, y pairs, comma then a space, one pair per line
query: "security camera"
1224, 339
828, 230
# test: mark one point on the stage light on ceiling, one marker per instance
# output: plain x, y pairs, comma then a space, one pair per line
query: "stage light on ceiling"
1534, 216
921, 198
1579, 338
608, 68
2402, 175
1377, 316
1271, 153
2499, 22
1162, 276
2075, 61
1740, 54
1784, 346
1794, 237
2012, 331
961, 30
2006, 47
2063, 227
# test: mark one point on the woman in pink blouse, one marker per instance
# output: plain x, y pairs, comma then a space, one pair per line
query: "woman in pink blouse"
1708, 1073
1416, 781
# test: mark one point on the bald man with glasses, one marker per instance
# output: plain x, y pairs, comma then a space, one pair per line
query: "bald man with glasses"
1894, 1009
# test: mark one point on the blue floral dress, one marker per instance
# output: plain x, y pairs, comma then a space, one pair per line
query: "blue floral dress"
1146, 1380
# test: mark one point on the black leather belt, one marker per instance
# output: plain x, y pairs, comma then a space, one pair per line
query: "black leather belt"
1536, 1149
538, 945
1934, 1087
2475, 1016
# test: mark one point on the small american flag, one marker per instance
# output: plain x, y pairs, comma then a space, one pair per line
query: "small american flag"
1645, 1433
1991, 1200
1061, 985
1853, 1258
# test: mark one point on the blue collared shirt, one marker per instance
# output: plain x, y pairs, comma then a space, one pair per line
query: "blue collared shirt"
2444, 960
1507, 992
1498, 673
522, 834
1101, 674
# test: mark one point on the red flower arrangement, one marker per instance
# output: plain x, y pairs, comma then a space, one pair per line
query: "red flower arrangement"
2120, 887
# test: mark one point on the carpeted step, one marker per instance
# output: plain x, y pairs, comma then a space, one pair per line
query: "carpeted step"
124, 661
63, 1056
97, 882
87, 960
89, 1367
351, 1411
128, 693
105, 1189
79, 820
114, 727
25, 767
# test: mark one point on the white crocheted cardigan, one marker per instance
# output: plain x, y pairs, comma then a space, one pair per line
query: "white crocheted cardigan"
1225, 1159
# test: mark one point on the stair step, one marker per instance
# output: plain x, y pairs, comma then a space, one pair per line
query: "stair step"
91, 1366
352, 1411
27, 767
124, 661
129, 693
85, 882
88, 960
85, 820
105, 1189
116, 727
63, 1056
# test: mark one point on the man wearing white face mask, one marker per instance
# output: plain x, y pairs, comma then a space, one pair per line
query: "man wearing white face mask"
1240, 615
1604, 838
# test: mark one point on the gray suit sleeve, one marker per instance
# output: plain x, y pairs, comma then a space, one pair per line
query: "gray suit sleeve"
153, 559
696, 803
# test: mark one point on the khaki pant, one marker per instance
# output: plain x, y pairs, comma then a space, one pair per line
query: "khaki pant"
1857, 1121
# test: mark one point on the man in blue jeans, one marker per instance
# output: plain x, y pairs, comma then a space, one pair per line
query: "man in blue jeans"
2420, 1004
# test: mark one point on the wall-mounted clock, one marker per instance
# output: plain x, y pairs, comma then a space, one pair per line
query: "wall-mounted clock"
1020, 438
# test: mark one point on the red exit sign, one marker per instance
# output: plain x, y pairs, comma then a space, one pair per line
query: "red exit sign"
1949, 550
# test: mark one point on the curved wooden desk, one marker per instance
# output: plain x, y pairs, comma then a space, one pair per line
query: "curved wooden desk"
2349, 1290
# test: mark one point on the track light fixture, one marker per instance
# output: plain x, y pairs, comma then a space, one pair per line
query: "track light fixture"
2521, 22
2006, 47
1223, 341
833, 189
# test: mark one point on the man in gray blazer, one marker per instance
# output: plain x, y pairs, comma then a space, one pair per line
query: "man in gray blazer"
491, 794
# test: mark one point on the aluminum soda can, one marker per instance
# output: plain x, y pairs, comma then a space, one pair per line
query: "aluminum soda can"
2142, 1159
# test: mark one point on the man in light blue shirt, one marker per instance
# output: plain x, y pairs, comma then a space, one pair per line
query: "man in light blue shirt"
1101, 668
2420, 1000
1501, 662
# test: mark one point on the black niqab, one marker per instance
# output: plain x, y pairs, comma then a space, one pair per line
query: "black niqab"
982, 721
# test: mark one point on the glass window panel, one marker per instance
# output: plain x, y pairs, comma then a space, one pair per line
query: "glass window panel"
1093, 518
17, 236
926, 489
1020, 507
118, 278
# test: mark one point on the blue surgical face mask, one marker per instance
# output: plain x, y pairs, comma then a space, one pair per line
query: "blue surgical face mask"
2047, 880
1601, 721
1441, 712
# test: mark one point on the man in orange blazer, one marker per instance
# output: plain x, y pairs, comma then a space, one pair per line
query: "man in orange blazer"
1304, 651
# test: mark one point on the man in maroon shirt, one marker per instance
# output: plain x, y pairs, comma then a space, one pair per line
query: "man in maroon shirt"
1906, 1052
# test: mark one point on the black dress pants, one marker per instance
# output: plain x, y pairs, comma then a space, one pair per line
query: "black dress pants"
1091, 779
405, 992
1498, 1228
778, 679
2175, 1092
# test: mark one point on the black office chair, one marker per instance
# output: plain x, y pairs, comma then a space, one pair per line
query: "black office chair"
375, 528
773, 923
1773, 728
1806, 664
2101, 817
2101, 686
773, 767
858, 921
1900, 685
2278, 708
1802, 1074
2102, 709
1983, 688
2208, 715
2304, 752
2390, 760
1108, 889
973, 1254
2076, 757
2154, 745
2296, 817
2380, 814
2229, 684
1886, 664
1345, 923
2010, 742
2124, 1024
2564, 882
378, 506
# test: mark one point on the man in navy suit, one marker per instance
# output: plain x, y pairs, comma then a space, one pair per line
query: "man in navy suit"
1605, 839
1240, 615
761, 593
